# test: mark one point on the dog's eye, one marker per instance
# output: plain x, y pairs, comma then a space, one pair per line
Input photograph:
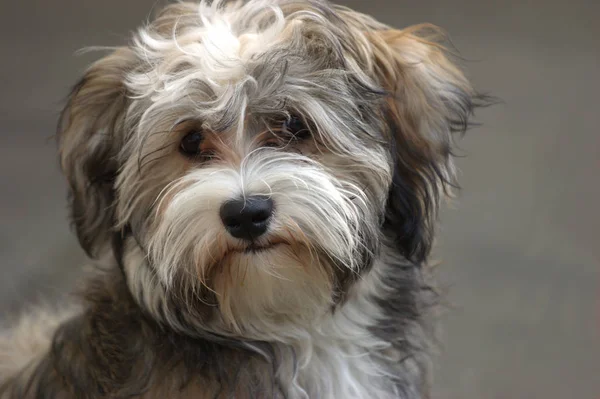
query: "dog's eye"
190, 144
295, 126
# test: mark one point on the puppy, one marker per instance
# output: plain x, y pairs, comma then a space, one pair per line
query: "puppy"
259, 182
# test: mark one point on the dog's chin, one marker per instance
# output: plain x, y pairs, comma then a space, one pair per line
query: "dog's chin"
277, 282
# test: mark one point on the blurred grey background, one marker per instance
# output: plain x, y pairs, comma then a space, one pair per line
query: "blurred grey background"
520, 248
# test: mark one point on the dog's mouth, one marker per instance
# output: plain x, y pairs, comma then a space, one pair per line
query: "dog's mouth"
257, 248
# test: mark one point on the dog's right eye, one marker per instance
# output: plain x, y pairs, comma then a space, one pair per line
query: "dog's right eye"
296, 127
190, 144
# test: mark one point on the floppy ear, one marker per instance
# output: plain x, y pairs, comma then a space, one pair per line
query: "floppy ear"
430, 99
90, 135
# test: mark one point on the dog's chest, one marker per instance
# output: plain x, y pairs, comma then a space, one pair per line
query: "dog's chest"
325, 369
341, 357
340, 369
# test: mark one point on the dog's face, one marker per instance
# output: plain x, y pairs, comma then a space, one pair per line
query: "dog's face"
261, 154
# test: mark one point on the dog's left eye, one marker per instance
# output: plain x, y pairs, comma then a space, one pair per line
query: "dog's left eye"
295, 126
190, 144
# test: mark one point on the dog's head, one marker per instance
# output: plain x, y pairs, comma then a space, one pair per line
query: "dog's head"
261, 153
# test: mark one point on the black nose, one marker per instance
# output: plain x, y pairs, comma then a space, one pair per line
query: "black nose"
247, 219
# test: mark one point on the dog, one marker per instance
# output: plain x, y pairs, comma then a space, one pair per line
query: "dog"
258, 183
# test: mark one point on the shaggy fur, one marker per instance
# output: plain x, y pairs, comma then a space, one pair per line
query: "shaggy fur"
333, 300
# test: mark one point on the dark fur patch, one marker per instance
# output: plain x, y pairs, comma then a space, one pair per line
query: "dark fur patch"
418, 181
90, 134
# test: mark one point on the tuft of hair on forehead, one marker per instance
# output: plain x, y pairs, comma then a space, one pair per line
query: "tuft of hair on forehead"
220, 62
211, 43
